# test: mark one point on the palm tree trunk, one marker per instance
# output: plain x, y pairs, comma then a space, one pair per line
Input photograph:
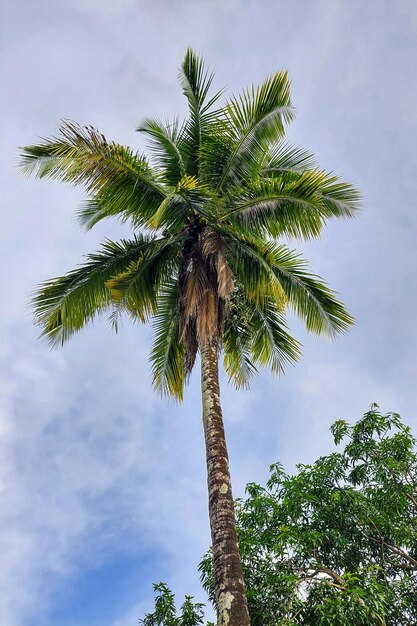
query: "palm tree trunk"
231, 603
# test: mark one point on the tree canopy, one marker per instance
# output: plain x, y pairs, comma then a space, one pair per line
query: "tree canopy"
207, 209
334, 544
166, 613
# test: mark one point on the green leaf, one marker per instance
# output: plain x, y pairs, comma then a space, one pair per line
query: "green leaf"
275, 267
196, 82
256, 120
64, 305
296, 206
165, 145
168, 351
119, 182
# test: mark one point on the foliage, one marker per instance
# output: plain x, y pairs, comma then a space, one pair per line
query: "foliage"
165, 613
336, 543
207, 211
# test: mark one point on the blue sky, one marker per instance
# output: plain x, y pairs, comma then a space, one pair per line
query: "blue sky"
102, 482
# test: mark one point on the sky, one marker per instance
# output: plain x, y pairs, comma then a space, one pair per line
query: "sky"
102, 482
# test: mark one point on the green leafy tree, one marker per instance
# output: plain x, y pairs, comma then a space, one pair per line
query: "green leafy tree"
336, 543
204, 262
165, 613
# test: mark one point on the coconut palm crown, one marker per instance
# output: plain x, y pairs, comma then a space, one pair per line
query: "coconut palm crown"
206, 260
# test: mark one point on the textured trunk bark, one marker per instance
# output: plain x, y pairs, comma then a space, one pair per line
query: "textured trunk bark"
231, 603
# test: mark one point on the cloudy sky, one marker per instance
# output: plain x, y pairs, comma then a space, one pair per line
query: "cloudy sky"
102, 482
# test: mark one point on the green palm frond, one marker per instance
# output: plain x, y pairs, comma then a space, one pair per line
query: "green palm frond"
236, 360
137, 288
251, 271
340, 199
295, 205
165, 145
236, 341
309, 296
255, 120
306, 294
216, 149
64, 305
168, 351
173, 211
286, 158
119, 181
271, 345
254, 336
196, 81
280, 206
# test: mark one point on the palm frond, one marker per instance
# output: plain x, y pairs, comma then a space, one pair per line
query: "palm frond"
173, 210
286, 158
165, 145
65, 304
168, 352
196, 81
136, 289
251, 272
271, 345
236, 341
295, 205
340, 199
119, 181
216, 149
306, 293
256, 120
254, 336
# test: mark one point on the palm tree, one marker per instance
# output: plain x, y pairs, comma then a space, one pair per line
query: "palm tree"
205, 262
